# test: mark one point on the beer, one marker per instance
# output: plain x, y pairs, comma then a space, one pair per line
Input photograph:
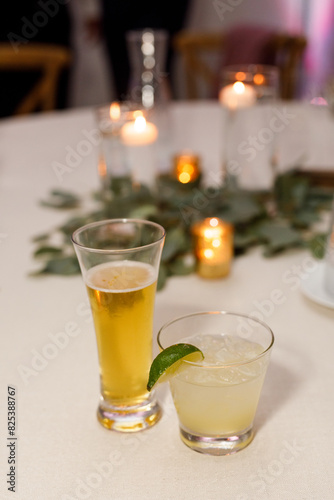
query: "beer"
122, 296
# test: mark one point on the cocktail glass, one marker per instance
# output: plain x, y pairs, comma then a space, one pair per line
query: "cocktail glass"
119, 261
216, 399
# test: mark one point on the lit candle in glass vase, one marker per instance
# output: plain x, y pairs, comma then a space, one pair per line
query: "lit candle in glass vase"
111, 161
213, 244
138, 137
237, 95
109, 118
186, 167
138, 132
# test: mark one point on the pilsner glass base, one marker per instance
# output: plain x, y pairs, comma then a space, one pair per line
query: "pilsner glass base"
129, 418
213, 445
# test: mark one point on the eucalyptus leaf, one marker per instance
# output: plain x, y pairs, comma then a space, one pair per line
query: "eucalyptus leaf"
182, 265
65, 266
320, 197
166, 218
47, 250
74, 223
143, 212
305, 217
242, 240
62, 193
317, 245
121, 185
61, 199
176, 241
119, 208
241, 209
189, 214
40, 238
162, 278
278, 236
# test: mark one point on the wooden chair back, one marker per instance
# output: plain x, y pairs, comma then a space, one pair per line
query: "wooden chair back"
48, 60
285, 51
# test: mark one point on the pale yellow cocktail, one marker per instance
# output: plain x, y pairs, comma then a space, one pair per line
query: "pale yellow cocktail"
216, 398
213, 400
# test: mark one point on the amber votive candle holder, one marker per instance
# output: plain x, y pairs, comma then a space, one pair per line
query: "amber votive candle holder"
186, 167
213, 246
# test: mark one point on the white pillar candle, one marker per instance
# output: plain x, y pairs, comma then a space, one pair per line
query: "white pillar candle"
139, 132
237, 95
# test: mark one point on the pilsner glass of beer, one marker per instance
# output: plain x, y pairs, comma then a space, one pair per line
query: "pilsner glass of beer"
119, 261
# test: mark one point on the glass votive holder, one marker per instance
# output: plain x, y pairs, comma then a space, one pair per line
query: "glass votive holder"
246, 94
126, 145
213, 246
186, 167
112, 163
245, 85
138, 136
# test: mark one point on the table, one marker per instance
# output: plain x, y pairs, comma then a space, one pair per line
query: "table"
48, 350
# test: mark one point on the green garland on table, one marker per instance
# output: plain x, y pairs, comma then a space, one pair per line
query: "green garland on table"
279, 219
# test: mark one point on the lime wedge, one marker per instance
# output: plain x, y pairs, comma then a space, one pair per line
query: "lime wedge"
168, 362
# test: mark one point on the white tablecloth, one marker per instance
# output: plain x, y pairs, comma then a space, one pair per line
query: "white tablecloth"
48, 350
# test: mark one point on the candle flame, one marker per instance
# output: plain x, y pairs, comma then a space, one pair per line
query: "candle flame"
258, 79
137, 113
240, 75
184, 177
239, 87
213, 222
208, 253
140, 124
213, 231
209, 233
186, 173
115, 111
